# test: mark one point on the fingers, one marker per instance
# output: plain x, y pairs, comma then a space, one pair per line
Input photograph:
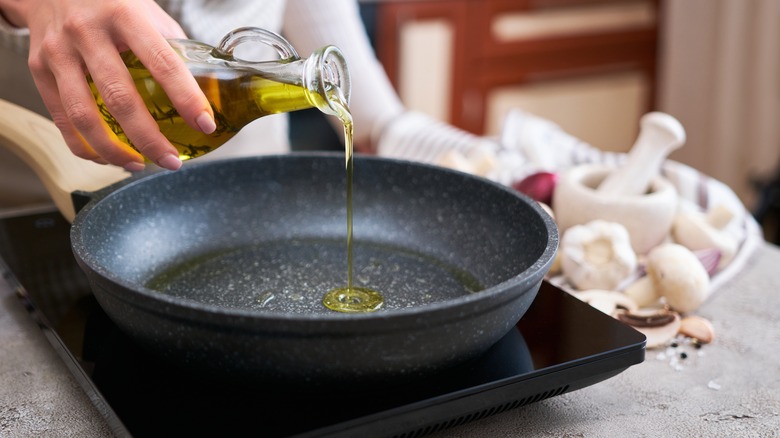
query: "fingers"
116, 87
180, 86
120, 97
62, 85
63, 50
168, 69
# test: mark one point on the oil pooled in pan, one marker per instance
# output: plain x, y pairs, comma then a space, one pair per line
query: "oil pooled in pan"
292, 276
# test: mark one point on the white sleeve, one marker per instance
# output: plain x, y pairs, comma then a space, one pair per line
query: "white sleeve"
311, 24
209, 20
381, 120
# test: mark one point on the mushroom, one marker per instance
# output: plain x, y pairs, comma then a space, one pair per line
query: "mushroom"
697, 231
678, 276
607, 301
658, 326
643, 292
597, 255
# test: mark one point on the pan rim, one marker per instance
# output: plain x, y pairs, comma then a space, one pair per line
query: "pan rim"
190, 309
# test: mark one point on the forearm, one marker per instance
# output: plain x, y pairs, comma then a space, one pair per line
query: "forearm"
381, 120
310, 24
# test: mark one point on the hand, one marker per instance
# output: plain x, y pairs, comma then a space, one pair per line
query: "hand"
70, 38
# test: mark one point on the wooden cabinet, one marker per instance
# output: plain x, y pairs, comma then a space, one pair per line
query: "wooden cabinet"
582, 63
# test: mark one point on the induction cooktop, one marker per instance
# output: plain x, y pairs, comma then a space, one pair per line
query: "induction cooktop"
560, 345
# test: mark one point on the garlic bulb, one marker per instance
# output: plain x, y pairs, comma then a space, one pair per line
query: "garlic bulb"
597, 255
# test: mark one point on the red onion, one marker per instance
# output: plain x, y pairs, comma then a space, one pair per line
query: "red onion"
710, 258
538, 186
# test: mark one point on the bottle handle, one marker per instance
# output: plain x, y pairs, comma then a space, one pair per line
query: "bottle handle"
257, 35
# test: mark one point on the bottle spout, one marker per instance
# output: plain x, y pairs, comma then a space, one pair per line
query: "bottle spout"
326, 77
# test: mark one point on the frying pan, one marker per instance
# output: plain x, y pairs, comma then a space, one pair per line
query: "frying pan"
220, 266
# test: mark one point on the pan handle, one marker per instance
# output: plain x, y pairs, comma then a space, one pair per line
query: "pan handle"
37, 141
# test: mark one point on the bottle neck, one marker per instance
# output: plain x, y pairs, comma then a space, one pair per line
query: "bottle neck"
320, 81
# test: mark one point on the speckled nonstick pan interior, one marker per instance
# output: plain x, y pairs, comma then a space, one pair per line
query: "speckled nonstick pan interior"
221, 266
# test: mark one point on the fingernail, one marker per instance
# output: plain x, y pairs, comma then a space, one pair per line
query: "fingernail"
134, 166
170, 162
206, 122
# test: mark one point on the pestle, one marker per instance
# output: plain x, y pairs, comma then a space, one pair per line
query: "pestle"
659, 135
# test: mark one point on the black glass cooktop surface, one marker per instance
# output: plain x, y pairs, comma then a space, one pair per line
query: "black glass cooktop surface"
559, 346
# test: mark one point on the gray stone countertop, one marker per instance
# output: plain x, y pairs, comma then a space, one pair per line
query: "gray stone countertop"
730, 388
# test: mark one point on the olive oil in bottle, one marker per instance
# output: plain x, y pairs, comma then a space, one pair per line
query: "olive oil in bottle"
237, 96
239, 91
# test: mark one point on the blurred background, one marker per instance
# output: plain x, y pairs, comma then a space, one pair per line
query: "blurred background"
595, 67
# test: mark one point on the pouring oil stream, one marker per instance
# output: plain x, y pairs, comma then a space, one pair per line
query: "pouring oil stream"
349, 299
